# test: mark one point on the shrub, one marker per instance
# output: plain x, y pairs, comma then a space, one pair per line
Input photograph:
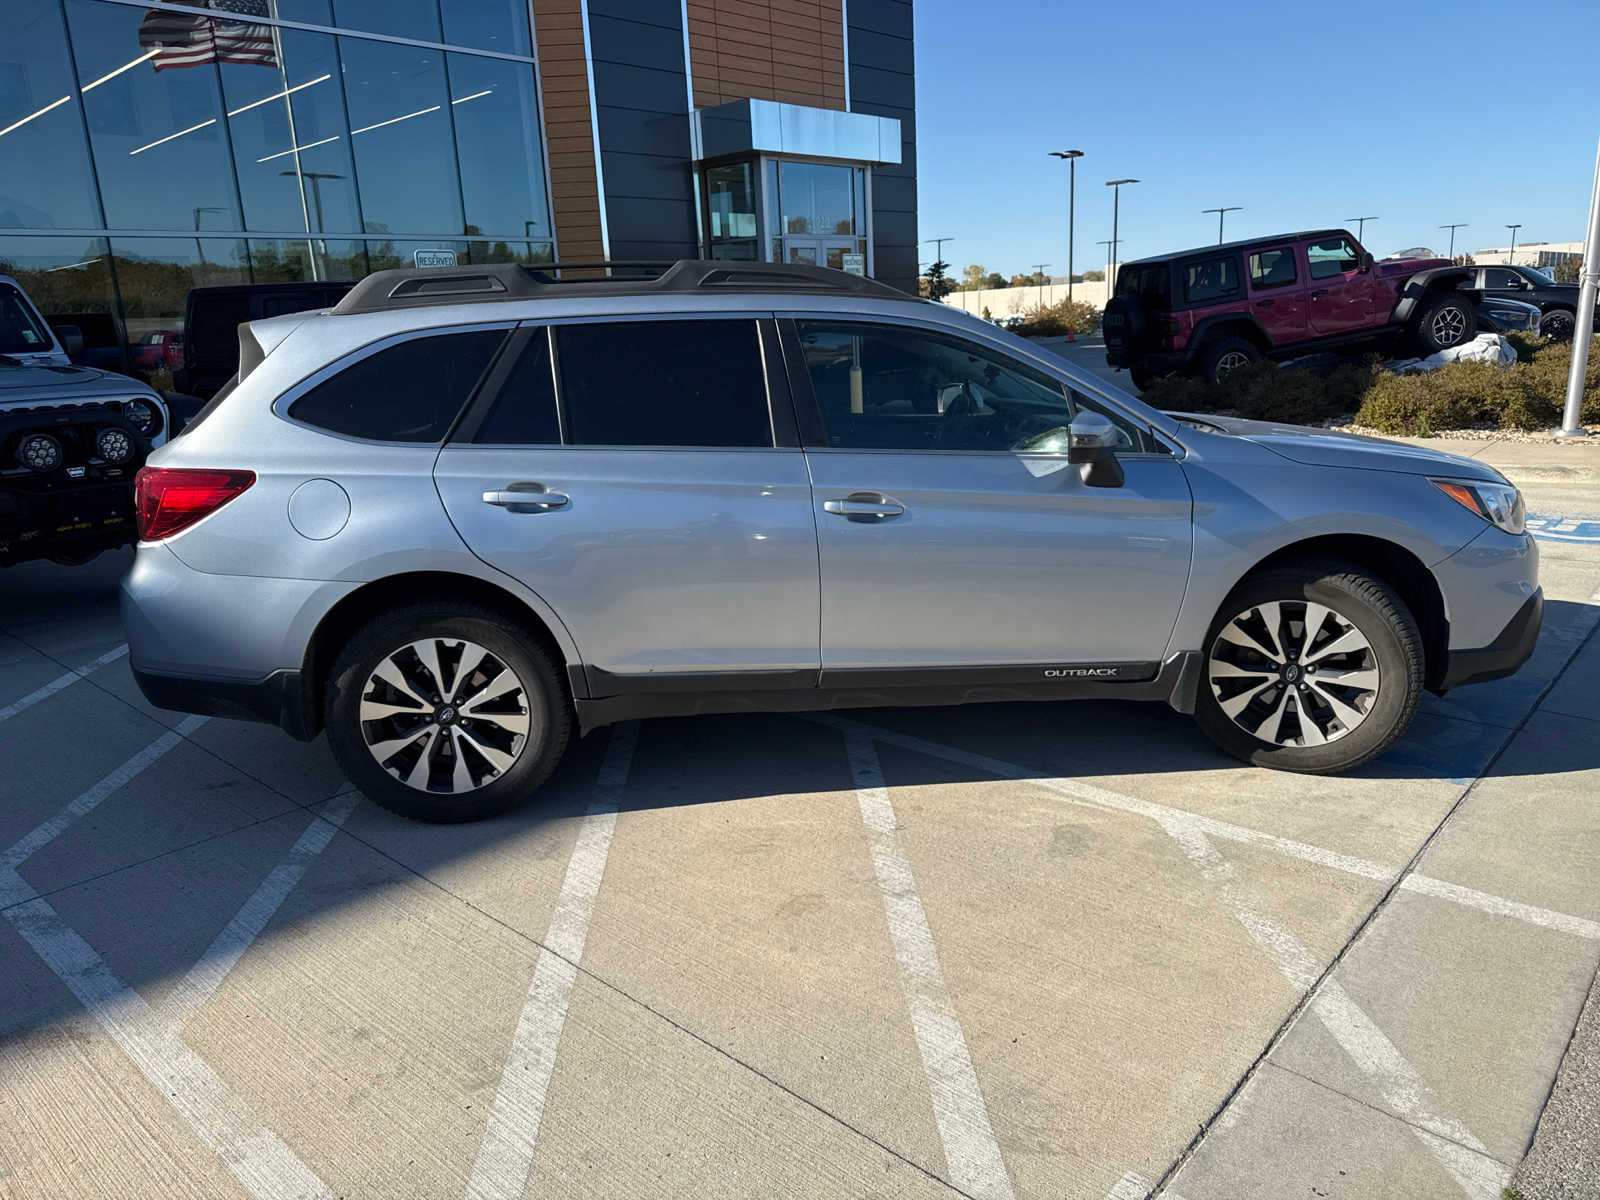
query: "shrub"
1055, 320
1528, 395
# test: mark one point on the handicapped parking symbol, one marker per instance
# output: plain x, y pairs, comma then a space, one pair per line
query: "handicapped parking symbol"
1564, 529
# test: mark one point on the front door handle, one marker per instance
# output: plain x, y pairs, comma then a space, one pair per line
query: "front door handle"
864, 506
1264, 303
1319, 293
526, 497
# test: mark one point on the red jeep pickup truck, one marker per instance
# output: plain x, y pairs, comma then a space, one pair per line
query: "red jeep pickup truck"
1208, 310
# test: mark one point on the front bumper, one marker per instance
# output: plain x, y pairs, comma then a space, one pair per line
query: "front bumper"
1500, 657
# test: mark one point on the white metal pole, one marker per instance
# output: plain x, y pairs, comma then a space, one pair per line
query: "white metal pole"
1584, 331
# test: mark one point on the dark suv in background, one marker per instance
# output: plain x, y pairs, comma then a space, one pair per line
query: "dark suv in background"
1209, 310
1557, 302
212, 316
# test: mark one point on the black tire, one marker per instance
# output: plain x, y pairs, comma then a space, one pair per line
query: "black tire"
1220, 355
1356, 597
1558, 323
515, 646
1445, 320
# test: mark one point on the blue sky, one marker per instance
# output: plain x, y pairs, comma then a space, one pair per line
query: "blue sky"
1416, 112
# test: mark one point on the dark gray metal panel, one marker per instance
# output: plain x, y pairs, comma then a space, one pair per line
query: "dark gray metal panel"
882, 51
642, 111
635, 44
892, 17
662, 13
870, 87
896, 266
889, 194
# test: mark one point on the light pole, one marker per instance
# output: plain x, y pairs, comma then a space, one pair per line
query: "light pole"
1038, 273
1452, 229
1116, 197
1108, 244
1511, 258
1072, 157
1361, 227
1220, 211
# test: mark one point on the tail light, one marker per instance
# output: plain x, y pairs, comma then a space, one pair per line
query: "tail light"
167, 500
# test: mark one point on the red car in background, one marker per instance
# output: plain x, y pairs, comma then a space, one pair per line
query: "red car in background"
159, 348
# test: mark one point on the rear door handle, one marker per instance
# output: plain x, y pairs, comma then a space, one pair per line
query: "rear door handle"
1264, 303
864, 506
527, 497
1319, 292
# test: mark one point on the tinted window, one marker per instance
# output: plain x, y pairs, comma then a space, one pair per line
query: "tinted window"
409, 392
1213, 279
1151, 281
663, 383
884, 388
20, 331
1499, 277
1272, 268
524, 411
1333, 257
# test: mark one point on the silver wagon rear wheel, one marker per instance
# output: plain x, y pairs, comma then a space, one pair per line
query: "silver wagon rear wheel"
1293, 673
444, 715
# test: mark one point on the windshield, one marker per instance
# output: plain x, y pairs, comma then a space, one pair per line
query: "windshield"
1543, 276
20, 331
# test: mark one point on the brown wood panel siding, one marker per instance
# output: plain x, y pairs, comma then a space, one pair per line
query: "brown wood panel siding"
786, 50
569, 134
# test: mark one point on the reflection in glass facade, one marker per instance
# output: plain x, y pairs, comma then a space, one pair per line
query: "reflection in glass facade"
146, 150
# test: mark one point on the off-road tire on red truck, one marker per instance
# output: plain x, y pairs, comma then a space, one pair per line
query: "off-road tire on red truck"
1220, 355
1445, 320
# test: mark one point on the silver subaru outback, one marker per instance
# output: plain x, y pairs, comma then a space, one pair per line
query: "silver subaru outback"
468, 511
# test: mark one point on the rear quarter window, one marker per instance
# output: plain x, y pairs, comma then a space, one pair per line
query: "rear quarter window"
408, 392
1211, 279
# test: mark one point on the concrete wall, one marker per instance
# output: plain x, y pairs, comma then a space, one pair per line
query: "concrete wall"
1002, 302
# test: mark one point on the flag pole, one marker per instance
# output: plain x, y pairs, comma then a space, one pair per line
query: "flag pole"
1584, 331
294, 137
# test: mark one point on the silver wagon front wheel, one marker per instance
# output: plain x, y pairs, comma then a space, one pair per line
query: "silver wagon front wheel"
1293, 673
444, 715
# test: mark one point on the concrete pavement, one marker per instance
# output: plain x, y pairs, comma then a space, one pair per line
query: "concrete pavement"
1055, 950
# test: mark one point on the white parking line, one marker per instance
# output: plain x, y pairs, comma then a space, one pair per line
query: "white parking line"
13, 889
506, 1153
258, 1158
229, 946
971, 1152
1086, 792
59, 682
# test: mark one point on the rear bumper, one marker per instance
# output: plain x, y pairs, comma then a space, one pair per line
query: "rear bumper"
1500, 657
279, 699
1158, 362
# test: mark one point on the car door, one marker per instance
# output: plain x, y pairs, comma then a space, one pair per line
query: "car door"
1504, 283
1277, 293
951, 530
1340, 298
628, 473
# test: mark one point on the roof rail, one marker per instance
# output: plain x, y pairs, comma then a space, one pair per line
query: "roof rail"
409, 287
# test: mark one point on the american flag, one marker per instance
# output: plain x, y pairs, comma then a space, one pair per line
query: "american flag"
185, 40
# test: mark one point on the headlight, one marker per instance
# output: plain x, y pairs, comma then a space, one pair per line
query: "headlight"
143, 417
113, 445
1498, 503
39, 452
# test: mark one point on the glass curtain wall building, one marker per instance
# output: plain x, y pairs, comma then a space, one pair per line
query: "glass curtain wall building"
146, 149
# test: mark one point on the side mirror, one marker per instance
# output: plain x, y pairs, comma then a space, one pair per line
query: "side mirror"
1364, 261
71, 339
1092, 445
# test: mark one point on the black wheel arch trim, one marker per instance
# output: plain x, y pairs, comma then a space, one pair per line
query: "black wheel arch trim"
1424, 283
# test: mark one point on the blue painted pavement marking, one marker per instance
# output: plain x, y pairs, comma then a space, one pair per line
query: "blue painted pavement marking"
1583, 530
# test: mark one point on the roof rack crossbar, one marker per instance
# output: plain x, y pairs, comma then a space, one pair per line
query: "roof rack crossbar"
417, 286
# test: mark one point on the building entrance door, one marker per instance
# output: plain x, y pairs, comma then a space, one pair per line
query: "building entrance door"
819, 251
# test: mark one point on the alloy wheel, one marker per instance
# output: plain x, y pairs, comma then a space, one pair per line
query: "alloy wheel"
1231, 361
1293, 673
1448, 326
444, 715
1557, 325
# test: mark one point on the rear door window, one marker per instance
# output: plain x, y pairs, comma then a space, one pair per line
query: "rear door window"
524, 408
693, 383
407, 392
1211, 279
1500, 278
1272, 268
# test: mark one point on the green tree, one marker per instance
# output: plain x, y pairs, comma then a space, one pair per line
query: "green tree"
1566, 271
1093, 276
973, 277
936, 285
995, 280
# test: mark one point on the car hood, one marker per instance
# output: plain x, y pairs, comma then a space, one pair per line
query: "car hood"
1388, 268
47, 384
1330, 448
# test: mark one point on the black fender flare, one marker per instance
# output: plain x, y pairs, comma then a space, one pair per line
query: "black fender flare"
1424, 282
1207, 325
